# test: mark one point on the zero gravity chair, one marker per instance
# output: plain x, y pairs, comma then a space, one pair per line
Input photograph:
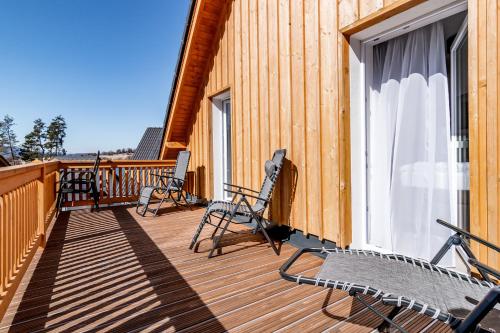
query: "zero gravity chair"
168, 186
459, 300
239, 210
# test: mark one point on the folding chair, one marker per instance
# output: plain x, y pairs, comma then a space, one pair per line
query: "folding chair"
168, 185
457, 299
78, 182
240, 207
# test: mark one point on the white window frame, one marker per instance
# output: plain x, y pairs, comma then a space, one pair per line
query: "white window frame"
221, 135
360, 55
226, 140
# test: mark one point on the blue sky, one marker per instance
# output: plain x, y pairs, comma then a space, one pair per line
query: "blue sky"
105, 65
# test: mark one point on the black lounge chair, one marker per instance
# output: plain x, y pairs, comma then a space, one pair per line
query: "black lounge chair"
457, 299
78, 182
168, 185
239, 210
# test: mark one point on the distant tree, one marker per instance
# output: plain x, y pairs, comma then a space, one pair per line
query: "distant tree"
130, 150
30, 149
7, 136
40, 136
118, 151
34, 142
56, 132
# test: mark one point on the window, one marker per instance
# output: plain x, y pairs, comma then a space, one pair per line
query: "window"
221, 143
226, 140
409, 130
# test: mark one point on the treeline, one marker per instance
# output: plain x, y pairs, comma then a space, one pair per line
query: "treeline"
44, 141
119, 151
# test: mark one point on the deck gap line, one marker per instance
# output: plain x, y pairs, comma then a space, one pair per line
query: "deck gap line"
245, 306
314, 313
177, 290
202, 273
363, 310
226, 313
429, 326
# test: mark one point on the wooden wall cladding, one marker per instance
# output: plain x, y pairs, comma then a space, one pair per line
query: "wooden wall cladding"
286, 65
484, 48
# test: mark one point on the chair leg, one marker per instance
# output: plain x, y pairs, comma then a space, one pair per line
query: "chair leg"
183, 197
386, 326
200, 228
159, 205
176, 202
218, 225
266, 235
218, 238
95, 195
59, 203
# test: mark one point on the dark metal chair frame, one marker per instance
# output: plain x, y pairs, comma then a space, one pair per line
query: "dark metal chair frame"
460, 238
167, 185
79, 182
240, 195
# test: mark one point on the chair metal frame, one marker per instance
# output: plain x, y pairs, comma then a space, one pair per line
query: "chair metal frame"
240, 197
167, 185
460, 238
80, 182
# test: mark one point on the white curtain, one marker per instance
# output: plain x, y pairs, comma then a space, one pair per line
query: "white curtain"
409, 143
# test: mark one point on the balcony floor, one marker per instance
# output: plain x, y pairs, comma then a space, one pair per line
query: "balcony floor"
114, 271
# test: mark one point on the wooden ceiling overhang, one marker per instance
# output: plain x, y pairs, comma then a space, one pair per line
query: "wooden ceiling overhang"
194, 57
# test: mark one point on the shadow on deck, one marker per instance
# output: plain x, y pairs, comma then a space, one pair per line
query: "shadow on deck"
113, 271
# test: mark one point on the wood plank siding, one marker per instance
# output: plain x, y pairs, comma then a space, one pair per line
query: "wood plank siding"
286, 66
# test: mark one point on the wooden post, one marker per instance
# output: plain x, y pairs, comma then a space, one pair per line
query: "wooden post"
41, 205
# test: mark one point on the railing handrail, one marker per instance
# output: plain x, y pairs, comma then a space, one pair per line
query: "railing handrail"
113, 163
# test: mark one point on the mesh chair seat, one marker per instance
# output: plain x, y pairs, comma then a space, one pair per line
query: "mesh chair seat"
168, 184
228, 207
419, 285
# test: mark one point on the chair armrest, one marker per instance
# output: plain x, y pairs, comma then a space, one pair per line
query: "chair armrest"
77, 175
241, 187
163, 175
484, 267
468, 235
245, 194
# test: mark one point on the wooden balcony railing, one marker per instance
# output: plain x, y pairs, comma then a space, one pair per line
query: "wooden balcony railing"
27, 206
118, 181
27, 201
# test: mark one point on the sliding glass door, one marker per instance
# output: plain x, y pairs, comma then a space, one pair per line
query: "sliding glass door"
460, 129
417, 137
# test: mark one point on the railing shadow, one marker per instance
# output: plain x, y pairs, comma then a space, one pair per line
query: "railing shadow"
46, 271
102, 272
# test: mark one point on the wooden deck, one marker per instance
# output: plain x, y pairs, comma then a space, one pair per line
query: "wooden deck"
113, 271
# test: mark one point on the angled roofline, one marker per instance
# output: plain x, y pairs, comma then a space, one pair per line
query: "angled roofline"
173, 87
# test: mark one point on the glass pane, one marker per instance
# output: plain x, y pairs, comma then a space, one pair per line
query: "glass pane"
227, 143
460, 132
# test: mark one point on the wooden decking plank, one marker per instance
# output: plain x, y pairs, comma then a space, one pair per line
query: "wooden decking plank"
182, 317
164, 285
116, 271
284, 316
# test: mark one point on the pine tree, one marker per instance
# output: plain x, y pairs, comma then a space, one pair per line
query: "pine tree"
56, 132
40, 137
7, 136
30, 149
34, 142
